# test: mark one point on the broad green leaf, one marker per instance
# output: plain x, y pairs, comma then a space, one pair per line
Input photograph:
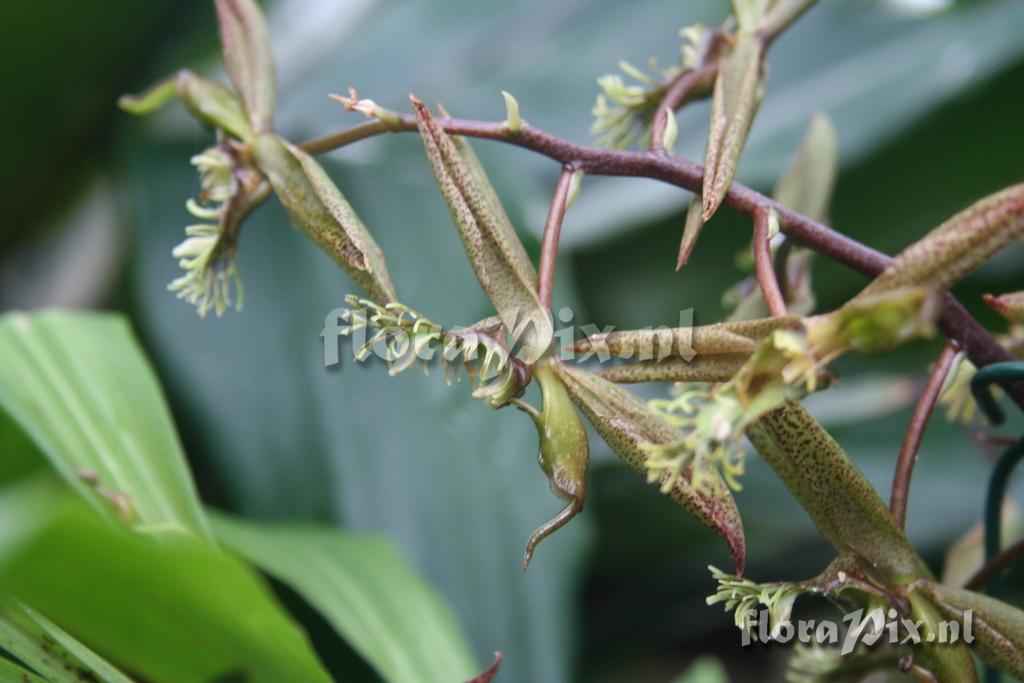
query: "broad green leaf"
498, 257
246, 47
49, 650
101, 668
733, 105
318, 208
998, 628
11, 671
624, 422
188, 611
842, 503
79, 385
944, 661
366, 591
958, 246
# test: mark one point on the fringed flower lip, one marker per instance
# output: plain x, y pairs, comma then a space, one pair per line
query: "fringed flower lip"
230, 189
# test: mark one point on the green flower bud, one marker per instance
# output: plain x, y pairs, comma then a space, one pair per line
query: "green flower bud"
564, 453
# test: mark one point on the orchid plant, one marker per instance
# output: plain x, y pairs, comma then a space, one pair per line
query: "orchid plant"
734, 382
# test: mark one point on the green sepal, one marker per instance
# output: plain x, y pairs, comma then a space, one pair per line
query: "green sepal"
841, 502
498, 257
207, 100
318, 208
245, 43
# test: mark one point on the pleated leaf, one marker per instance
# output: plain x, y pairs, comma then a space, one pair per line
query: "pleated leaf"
367, 591
167, 608
79, 385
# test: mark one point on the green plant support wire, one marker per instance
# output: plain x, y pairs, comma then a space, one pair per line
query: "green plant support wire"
981, 387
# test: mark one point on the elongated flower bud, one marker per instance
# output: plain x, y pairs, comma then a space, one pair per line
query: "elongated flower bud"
737, 94
564, 453
494, 250
318, 208
245, 43
998, 628
843, 505
954, 249
628, 427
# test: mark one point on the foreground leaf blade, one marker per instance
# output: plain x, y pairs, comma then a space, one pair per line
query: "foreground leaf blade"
189, 611
79, 385
366, 591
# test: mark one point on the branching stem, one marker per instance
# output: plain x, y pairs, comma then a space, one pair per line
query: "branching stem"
552, 232
956, 322
915, 432
763, 266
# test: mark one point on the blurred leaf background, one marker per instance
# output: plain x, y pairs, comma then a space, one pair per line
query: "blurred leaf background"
925, 98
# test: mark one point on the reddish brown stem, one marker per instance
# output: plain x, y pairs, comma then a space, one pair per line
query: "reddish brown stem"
996, 566
763, 266
552, 232
915, 432
682, 89
982, 348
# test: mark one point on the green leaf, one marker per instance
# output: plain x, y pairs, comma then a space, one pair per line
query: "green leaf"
624, 422
998, 628
734, 102
318, 208
366, 591
840, 501
50, 650
10, 671
79, 385
246, 46
185, 610
498, 257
